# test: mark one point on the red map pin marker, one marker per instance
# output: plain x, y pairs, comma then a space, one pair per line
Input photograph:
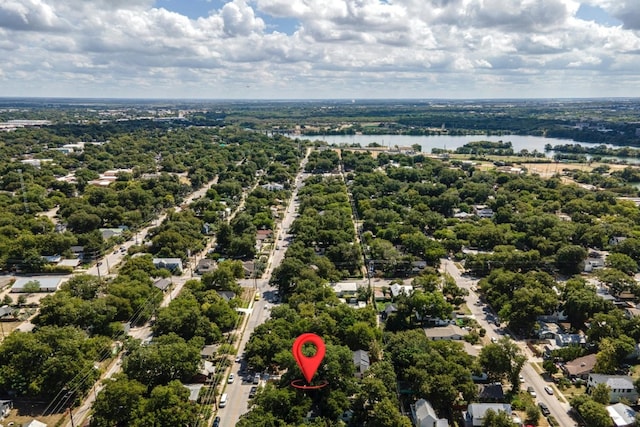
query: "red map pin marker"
308, 365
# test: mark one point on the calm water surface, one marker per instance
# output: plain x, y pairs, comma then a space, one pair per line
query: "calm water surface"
447, 142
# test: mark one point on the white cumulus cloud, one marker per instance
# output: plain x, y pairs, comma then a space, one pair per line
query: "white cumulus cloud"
333, 48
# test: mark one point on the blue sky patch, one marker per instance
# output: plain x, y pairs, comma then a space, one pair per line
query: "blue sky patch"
596, 14
193, 9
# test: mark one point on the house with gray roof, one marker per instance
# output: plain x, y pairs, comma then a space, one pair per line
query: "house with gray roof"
174, 265
424, 415
226, 295
5, 310
361, 362
565, 340
621, 386
205, 265
162, 284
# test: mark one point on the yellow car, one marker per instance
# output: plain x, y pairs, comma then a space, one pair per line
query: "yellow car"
257, 297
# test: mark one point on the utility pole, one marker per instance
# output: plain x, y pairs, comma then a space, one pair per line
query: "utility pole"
71, 415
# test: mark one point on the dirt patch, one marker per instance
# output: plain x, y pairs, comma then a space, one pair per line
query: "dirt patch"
25, 410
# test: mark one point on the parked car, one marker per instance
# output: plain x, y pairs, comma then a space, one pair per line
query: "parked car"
253, 392
231, 378
544, 409
548, 389
216, 422
256, 379
531, 391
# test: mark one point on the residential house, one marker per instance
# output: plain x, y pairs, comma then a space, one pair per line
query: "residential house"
616, 240
174, 265
5, 310
565, 340
5, 408
448, 333
345, 289
263, 236
78, 251
226, 295
107, 233
631, 312
162, 284
621, 386
418, 266
378, 295
52, 259
546, 334
476, 412
397, 289
205, 265
490, 393
249, 268
424, 415
206, 373
361, 362
208, 352
36, 163
46, 284
551, 320
273, 186
388, 310
622, 415
71, 263
594, 261
194, 391
580, 367
482, 211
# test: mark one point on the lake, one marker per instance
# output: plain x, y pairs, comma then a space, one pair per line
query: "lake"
447, 142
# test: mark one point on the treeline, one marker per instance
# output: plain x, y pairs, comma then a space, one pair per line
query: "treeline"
600, 150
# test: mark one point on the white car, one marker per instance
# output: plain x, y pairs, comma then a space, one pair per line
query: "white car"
548, 389
231, 378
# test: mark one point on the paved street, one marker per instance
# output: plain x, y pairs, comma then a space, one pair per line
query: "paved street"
486, 319
238, 392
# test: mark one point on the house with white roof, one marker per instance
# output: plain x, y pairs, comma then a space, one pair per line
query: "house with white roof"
476, 412
45, 284
397, 289
345, 289
622, 415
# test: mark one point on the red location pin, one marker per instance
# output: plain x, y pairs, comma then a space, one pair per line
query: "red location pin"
308, 365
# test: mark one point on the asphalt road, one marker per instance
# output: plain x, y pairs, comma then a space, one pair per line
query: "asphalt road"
238, 391
486, 318
143, 333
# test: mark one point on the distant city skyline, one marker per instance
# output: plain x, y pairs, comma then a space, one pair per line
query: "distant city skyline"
316, 49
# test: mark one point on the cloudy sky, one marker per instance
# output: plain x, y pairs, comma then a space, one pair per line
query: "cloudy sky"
320, 48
